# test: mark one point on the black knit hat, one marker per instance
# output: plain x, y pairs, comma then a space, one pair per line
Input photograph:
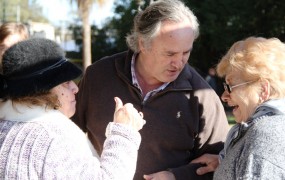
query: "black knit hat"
33, 66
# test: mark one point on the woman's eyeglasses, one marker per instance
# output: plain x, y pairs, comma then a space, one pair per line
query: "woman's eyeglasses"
229, 88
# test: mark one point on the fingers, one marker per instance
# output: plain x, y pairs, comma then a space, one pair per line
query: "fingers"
210, 162
128, 115
205, 159
162, 175
200, 159
204, 170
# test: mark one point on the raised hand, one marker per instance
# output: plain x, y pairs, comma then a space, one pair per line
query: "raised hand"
128, 115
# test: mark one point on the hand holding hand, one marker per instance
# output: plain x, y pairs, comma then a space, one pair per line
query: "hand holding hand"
162, 175
211, 162
128, 115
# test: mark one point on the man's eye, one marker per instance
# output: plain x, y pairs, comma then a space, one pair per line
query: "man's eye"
186, 53
170, 54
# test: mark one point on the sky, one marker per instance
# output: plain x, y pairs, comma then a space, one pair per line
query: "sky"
61, 11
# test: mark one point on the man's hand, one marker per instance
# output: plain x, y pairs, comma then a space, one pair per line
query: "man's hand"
162, 175
211, 162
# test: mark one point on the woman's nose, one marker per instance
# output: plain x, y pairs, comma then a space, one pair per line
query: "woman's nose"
225, 96
74, 87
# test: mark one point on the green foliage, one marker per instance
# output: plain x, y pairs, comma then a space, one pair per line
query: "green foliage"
223, 22
122, 23
102, 43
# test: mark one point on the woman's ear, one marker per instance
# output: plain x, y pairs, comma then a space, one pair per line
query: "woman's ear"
265, 90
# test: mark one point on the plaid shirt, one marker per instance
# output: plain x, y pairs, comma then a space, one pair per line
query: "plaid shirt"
136, 83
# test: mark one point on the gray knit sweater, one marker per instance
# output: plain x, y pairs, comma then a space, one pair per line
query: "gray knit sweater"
256, 150
36, 143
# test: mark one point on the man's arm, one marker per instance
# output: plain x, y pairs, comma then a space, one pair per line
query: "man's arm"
210, 162
213, 129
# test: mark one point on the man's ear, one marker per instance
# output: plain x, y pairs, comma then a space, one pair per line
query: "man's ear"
144, 46
141, 45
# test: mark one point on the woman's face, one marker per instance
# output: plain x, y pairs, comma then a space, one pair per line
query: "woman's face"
66, 96
243, 99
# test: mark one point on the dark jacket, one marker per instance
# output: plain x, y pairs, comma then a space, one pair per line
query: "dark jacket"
184, 121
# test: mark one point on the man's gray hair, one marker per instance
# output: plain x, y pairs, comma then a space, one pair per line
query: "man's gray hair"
148, 22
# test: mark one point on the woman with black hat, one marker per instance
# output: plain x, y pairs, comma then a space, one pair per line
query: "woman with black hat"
37, 140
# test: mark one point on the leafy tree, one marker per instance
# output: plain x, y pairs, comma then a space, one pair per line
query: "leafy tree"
102, 43
122, 22
223, 22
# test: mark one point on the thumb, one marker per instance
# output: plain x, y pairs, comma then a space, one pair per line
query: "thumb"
119, 103
147, 177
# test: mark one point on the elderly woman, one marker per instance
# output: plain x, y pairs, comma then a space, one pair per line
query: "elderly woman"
37, 140
254, 72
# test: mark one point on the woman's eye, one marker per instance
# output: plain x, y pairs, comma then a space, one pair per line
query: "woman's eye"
66, 83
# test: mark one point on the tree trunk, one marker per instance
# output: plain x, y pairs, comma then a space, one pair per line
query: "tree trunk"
86, 60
